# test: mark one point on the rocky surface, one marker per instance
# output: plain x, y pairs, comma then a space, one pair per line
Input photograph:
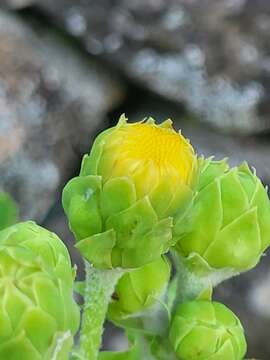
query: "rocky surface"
248, 296
52, 100
17, 4
213, 56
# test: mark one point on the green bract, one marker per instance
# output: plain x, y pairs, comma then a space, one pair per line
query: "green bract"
37, 312
137, 178
228, 224
204, 330
139, 289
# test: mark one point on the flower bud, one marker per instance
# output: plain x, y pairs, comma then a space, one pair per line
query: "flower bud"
137, 178
228, 224
37, 309
206, 330
139, 289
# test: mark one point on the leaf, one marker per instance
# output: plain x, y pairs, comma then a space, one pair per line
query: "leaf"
79, 287
98, 248
132, 354
80, 201
62, 344
8, 211
117, 195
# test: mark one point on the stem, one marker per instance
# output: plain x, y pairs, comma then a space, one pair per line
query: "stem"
190, 286
99, 286
196, 279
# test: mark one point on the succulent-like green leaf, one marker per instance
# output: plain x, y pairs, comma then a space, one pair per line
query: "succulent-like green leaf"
97, 249
139, 289
245, 251
117, 195
80, 201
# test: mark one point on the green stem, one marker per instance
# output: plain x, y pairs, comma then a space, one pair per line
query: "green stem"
196, 279
190, 286
99, 286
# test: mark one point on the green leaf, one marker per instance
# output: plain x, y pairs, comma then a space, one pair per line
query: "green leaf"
198, 228
8, 211
233, 197
206, 294
61, 347
90, 163
238, 245
225, 352
117, 195
133, 353
81, 204
171, 293
133, 222
149, 247
79, 287
211, 170
98, 248
16, 346
261, 200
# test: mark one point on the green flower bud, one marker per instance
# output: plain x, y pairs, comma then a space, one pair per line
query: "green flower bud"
139, 289
37, 310
204, 330
228, 224
137, 178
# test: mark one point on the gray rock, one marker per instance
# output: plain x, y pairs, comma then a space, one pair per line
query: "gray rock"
248, 296
213, 56
52, 101
17, 4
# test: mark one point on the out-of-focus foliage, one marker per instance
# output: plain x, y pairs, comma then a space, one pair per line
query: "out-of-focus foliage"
8, 211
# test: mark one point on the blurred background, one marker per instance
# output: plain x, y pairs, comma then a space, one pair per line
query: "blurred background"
69, 68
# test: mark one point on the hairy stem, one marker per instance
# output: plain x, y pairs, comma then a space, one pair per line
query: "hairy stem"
189, 285
195, 278
99, 286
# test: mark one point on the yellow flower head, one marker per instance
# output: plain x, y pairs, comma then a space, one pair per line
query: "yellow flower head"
150, 154
136, 181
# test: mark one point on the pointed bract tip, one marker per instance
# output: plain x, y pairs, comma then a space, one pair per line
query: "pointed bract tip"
144, 120
244, 167
225, 160
254, 171
122, 120
150, 121
204, 162
167, 124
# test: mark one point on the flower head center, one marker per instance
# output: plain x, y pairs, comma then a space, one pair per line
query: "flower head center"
163, 146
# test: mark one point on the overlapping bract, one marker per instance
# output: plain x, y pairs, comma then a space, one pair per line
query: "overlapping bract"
37, 310
205, 330
228, 222
137, 178
139, 289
